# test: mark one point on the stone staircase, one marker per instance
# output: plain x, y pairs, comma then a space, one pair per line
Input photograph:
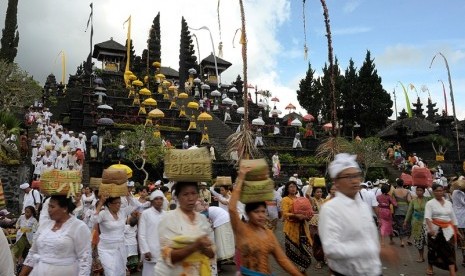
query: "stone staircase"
218, 132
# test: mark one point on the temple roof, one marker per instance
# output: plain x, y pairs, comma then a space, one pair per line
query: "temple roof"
413, 124
209, 62
169, 72
109, 47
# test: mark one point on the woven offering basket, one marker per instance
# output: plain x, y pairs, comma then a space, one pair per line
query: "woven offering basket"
257, 191
94, 182
223, 181
113, 190
114, 176
194, 165
259, 169
57, 182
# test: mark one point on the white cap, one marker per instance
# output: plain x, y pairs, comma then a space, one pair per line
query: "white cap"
94, 132
158, 182
342, 161
24, 186
130, 183
155, 194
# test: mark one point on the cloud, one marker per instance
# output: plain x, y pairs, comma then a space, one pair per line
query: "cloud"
351, 30
400, 54
351, 6
46, 28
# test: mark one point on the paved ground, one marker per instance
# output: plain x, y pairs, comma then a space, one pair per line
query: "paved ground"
407, 265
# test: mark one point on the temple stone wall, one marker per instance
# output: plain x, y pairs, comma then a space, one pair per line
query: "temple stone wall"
12, 177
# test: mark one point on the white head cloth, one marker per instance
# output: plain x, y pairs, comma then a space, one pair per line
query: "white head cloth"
341, 162
24, 186
155, 194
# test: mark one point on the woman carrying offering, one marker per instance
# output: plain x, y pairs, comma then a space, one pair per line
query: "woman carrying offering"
112, 222
185, 237
61, 245
442, 232
254, 242
416, 216
296, 231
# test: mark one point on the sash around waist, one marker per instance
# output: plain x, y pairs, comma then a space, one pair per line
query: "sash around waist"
54, 261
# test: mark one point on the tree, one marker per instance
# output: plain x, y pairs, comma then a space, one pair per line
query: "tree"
325, 85
187, 59
309, 95
375, 102
17, 88
9, 125
439, 143
350, 98
154, 43
10, 34
152, 152
369, 151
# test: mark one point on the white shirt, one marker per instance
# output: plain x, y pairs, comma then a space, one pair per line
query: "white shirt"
149, 240
435, 210
29, 199
218, 216
458, 203
369, 198
349, 236
6, 260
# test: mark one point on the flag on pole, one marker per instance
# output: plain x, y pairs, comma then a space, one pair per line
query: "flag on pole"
128, 50
409, 108
88, 67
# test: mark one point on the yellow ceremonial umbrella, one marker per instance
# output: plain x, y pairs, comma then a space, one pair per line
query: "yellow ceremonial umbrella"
166, 83
122, 167
156, 113
160, 76
145, 92
172, 88
204, 116
150, 102
132, 77
146, 79
137, 83
183, 95
156, 64
193, 105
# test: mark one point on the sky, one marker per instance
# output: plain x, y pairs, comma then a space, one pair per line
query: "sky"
402, 35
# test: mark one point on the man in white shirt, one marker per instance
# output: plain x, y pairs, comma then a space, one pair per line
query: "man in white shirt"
149, 242
369, 198
347, 231
31, 197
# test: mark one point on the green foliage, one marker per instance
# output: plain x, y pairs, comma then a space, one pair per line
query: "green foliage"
376, 173
9, 124
369, 151
375, 103
439, 143
312, 172
17, 88
10, 35
308, 95
154, 42
154, 151
286, 158
360, 97
187, 58
332, 146
309, 160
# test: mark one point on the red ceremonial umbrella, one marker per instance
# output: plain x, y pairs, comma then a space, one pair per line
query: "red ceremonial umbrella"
290, 107
308, 117
275, 99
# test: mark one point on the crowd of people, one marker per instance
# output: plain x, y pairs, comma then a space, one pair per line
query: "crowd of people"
186, 228
177, 230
